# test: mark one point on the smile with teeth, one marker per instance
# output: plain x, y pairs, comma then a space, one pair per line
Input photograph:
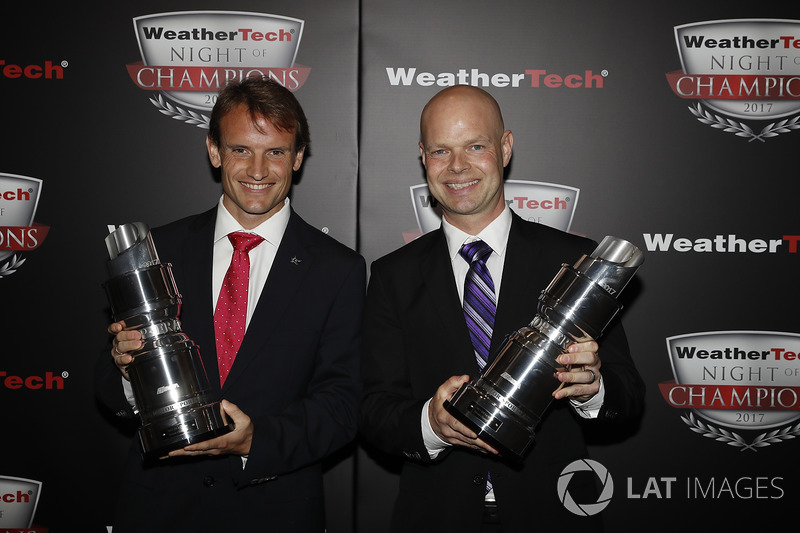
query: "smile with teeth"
257, 186
459, 186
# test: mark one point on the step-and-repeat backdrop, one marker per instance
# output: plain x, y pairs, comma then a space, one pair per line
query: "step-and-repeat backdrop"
674, 126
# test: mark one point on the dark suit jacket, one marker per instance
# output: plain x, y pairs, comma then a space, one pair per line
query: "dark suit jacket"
415, 338
295, 375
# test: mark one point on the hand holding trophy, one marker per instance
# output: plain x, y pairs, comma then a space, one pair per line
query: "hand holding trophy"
170, 385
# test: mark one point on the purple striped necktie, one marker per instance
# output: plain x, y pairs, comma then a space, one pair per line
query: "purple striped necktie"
479, 299
480, 304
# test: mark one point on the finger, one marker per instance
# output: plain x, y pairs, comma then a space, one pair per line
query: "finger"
579, 375
122, 360
230, 408
451, 386
462, 431
128, 341
231, 411
116, 327
588, 346
451, 430
119, 355
580, 385
477, 443
488, 447
578, 359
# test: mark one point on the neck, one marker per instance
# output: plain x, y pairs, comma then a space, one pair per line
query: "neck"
471, 224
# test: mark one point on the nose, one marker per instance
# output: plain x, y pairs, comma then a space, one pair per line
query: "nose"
258, 169
458, 162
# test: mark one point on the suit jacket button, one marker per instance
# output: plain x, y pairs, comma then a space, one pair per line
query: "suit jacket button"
479, 480
208, 481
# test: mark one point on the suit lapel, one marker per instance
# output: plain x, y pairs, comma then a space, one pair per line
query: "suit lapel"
518, 296
292, 262
199, 248
437, 272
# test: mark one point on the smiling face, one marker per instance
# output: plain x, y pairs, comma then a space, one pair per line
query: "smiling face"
464, 150
257, 161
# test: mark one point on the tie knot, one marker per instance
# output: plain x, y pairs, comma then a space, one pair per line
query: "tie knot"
475, 251
244, 242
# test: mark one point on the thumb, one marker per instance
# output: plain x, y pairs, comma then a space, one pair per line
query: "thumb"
232, 410
453, 384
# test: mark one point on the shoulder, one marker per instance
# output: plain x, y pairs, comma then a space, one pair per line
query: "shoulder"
322, 243
188, 225
412, 252
191, 236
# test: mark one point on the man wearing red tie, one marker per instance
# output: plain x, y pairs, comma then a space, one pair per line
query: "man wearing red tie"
275, 307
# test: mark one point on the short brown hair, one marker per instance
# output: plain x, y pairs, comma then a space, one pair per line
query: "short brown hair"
262, 98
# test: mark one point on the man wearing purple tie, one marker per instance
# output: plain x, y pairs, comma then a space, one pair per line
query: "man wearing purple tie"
440, 306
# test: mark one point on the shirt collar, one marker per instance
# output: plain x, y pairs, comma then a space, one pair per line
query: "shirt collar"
495, 234
271, 230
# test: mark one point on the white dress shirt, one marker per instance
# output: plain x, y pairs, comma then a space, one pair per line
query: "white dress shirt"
261, 257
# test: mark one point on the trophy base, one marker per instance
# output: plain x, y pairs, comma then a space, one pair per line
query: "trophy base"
496, 425
161, 436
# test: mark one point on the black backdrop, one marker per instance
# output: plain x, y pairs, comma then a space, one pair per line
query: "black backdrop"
594, 117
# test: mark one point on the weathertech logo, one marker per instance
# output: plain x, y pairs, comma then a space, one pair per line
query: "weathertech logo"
187, 57
737, 380
45, 71
533, 78
721, 244
550, 204
739, 71
19, 498
49, 381
19, 197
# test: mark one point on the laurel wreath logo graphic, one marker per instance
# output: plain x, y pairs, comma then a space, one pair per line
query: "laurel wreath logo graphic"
190, 117
734, 439
11, 266
740, 129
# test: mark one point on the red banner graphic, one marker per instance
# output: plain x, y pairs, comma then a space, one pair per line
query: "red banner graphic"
209, 79
733, 397
734, 86
22, 238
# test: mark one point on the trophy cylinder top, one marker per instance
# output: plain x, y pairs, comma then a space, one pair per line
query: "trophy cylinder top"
130, 247
612, 264
619, 251
125, 237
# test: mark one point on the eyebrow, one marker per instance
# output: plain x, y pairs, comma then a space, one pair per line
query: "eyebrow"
470, 142
248, 147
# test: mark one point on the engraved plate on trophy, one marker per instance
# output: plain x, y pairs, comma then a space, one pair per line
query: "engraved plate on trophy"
174, 399
505, 404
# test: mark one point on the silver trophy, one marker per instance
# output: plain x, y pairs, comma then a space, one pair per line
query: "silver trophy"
170, 385
504, 405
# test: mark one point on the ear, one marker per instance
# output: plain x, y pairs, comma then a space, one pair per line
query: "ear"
298, 159
213, 152
507, 144
422, 154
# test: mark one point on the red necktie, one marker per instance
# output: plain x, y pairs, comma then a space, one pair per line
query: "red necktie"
231, 314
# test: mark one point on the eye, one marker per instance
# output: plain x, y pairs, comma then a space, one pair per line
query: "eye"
477, 148
276, 155
438, 154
